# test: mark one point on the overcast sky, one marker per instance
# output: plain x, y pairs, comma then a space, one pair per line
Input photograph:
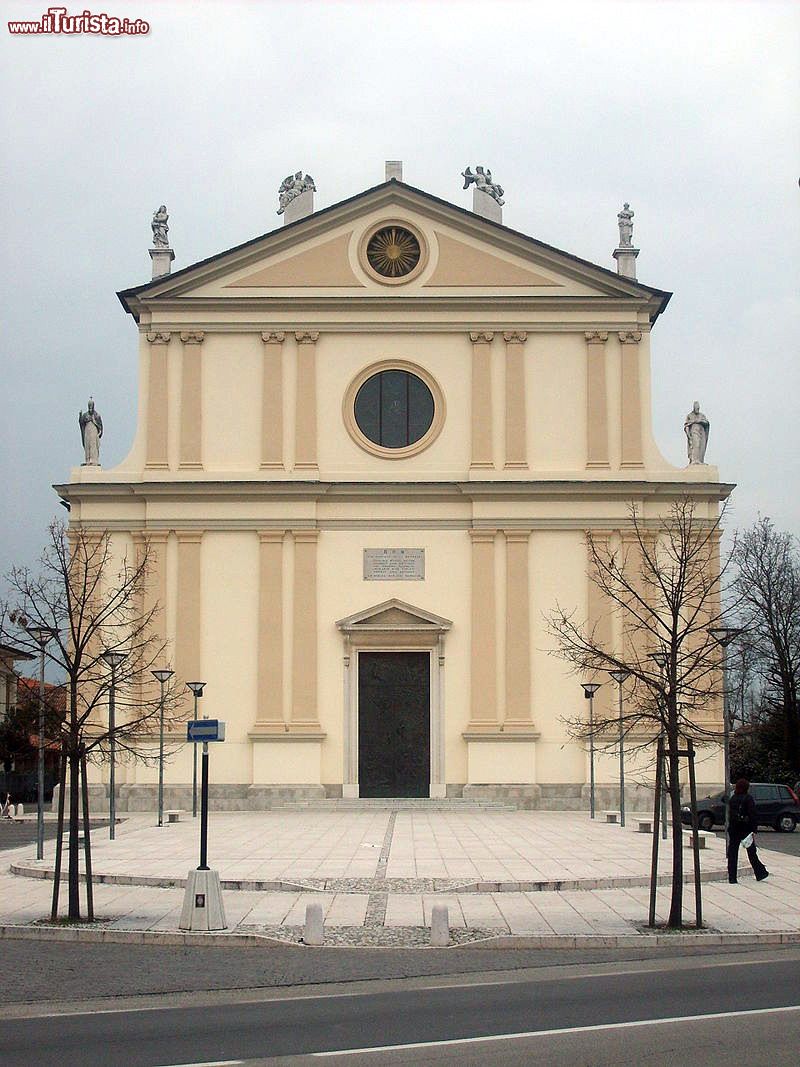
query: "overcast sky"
689, 111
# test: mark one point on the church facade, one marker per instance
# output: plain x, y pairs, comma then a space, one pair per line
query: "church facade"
370, 446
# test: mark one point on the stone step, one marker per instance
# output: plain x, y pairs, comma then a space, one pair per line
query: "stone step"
395, 804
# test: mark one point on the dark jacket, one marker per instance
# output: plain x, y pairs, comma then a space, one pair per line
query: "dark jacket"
743, 815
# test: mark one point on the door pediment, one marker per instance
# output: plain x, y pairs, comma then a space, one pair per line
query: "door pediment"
392, 616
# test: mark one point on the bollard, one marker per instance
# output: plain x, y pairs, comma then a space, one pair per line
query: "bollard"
20, 811
440, 925
314, 930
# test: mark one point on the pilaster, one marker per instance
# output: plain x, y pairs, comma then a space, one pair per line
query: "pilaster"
596, 400
272, 401
191, 401
631, 399
482, 450
157, 455
483, 657
305, 715
516, 445
189, 606
270, 631
600, 612
305, 449
518, 636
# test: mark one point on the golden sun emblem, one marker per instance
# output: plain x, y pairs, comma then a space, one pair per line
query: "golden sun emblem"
393, 252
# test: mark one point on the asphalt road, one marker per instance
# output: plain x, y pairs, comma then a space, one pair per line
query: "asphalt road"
291, 1022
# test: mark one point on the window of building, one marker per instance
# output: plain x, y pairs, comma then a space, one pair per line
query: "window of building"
394, 409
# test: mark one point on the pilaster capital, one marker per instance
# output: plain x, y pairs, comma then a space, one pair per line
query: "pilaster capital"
306, 337
272, 337
596, 337
189, 537
515, 337
485, 535
479, 337
271, 537
517, 536
192, 337
305, 536
158, 338
630, 337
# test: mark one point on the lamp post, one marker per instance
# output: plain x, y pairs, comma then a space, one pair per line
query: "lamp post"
724, 635
589, 690
162, 677
114, 659
619, 677
197, 688
660, 659
41, 635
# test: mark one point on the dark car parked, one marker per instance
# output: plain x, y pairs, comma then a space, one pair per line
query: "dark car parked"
776, 805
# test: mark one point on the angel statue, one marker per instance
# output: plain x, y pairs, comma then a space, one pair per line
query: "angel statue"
291, 187
483, 181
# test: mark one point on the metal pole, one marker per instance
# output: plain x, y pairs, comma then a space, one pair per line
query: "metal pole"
204, 811
621, 764
161, 759
726, 742
194, 767
591, 756
112, 783
40, 792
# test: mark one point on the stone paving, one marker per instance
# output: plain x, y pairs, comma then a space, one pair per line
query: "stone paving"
377, 874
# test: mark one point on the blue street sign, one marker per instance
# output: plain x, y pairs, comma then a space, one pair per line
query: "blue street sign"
205, 730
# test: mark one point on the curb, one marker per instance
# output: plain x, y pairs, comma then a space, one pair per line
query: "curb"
23, 870
501, 941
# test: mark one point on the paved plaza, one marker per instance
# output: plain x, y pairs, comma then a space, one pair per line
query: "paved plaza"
378, 872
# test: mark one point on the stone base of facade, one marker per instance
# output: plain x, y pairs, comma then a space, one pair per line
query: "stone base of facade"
523, 795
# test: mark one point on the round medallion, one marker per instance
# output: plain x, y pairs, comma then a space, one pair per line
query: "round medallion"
393, 252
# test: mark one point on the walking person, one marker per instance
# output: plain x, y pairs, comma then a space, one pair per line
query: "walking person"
743, 825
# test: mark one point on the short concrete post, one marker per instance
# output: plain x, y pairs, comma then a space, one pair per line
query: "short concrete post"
20, 810
314, 930
440, 925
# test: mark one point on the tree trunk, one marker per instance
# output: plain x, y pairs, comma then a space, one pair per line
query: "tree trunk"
74, 830
675, 920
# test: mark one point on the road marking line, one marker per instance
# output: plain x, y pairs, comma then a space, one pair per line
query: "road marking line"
554, 1033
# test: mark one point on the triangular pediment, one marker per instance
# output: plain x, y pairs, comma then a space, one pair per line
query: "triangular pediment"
394, 615
322, 256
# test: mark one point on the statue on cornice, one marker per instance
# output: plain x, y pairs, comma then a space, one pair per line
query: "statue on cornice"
696, 427
160, 227
91, 431
625, 218
291, 187
482, 180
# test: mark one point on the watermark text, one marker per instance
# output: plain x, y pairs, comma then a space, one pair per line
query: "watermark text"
57, 20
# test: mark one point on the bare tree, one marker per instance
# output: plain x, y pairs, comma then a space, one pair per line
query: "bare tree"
664, 584
768, 587
92, 602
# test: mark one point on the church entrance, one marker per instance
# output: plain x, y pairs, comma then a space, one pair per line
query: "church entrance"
394, 724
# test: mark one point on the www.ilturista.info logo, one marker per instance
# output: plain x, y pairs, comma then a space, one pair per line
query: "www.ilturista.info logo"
56, 20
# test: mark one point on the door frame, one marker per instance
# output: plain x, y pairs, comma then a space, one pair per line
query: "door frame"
393, 626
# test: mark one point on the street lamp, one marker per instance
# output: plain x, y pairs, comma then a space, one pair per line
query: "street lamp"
724, 635
162, 677
619, 677
589, 690
114, 659
660, 659
197, 688
42, 635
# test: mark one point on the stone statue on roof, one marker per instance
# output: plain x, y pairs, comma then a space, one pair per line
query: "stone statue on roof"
625, 218
696, 427
291, 187
91, 431
482, 179
160, 227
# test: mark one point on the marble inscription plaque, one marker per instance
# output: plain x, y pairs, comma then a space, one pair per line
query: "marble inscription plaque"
394, 564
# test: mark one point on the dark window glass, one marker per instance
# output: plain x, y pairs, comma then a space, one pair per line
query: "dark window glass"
784, 792
394, 409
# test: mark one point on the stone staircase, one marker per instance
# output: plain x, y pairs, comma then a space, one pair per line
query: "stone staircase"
394, 804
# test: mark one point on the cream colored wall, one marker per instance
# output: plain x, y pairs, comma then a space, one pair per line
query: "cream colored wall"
342, 591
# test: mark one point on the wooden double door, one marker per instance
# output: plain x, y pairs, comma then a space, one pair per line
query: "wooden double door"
394, 724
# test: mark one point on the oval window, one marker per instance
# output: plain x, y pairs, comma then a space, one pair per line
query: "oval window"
394, 409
